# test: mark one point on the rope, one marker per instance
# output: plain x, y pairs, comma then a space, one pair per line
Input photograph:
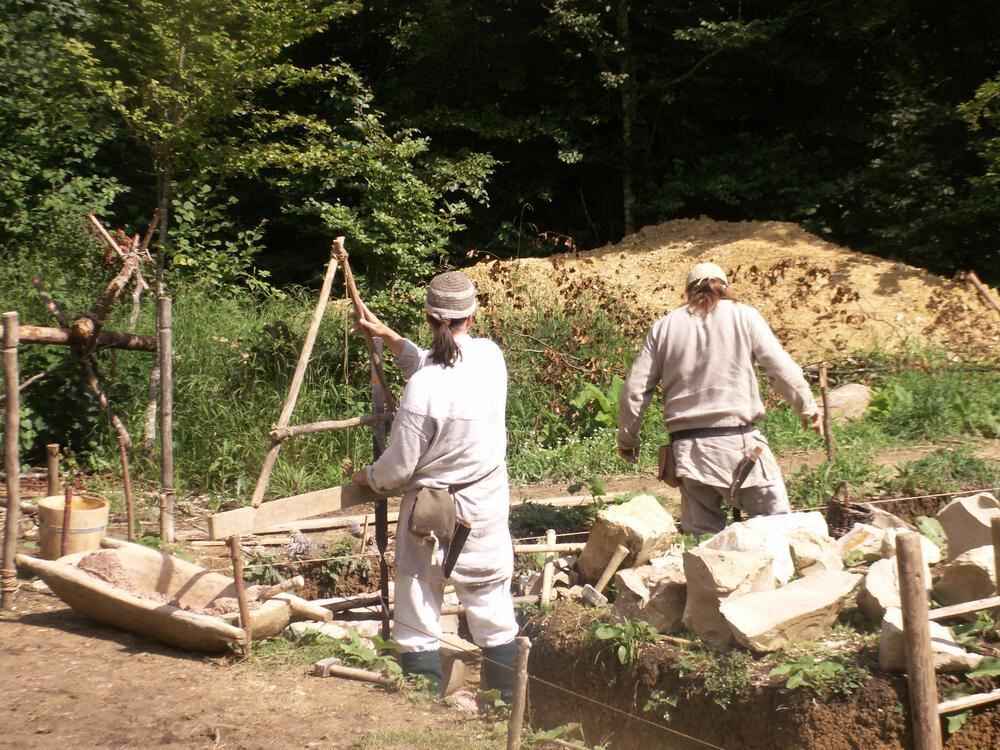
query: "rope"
580, 696
884, 501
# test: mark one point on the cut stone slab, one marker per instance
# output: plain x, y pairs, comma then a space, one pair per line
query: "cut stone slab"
883, 519
713, 575
813, 553
880, 589
770, 534
948, 655
970, 576
656, 593
798, 612
849, 402
863, 538
641, 524
929, 551
966, 522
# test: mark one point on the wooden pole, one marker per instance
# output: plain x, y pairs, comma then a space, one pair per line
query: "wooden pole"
620, 553
549, 569
12, 459
105, 339
379, 439
824, 387
127, 484
164, 317
921, 677
995, 530
533, 549
52, 455
299, 376
983, 290
236, 555
516, 721
282, 434
66, 520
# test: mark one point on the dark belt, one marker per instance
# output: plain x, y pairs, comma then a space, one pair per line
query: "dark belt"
701, 432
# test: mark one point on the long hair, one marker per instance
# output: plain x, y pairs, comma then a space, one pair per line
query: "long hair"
702, 298
444, 350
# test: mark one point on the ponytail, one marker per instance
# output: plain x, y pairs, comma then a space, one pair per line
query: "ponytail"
704, 296
444, 349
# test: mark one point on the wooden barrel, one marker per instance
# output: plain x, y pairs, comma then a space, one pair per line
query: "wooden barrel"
88, 523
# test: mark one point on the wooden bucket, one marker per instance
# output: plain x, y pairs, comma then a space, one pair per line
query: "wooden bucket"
88, 522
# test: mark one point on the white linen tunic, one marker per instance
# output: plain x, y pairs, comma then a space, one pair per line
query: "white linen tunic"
704, 367
450, 429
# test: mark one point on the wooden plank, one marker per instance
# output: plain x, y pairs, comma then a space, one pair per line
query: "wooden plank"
965, 608
250, 519
969, 701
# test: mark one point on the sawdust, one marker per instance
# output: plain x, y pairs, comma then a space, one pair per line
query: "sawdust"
822, 300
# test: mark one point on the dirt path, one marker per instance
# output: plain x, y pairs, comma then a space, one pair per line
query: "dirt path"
70, 683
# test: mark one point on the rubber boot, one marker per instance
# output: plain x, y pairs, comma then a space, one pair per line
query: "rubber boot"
497, 672
426, 664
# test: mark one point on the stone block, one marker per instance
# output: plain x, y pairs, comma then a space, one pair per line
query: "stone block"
798, 612
880, 589
864, 539
929, 551
641, 524
948, 655
966, 522
848, 402
655, 593
813, 553
970, 576
713, 575
769, 534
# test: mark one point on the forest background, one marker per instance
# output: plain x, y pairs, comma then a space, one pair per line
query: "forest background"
435, 133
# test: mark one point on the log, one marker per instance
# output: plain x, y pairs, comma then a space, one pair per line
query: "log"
12, 459
331, 667
105, 339
291, 584
94, 383
284, 433
305, 608
516, 721
968, 701
164, 318
274, 512
300, 371
955, 610
920, 674
236, 555
52, 455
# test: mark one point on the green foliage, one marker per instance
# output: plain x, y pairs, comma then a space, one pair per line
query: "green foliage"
944, 470
932, 529
988, 667
822, 676
812, 486
534, 519
984, 626
933, 405
603, 405
564, 733
661, 703
355, 652
623, 638
725, 675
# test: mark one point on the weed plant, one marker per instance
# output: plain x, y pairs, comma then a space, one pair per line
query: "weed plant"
944, 470
725, 674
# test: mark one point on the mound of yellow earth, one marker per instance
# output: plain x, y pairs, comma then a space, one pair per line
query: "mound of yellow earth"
822, 300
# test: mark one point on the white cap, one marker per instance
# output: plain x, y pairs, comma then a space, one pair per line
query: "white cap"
705, 271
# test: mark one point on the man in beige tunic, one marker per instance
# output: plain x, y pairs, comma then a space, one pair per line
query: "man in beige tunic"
702, 358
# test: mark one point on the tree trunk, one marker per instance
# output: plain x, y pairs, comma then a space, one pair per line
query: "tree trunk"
628, 96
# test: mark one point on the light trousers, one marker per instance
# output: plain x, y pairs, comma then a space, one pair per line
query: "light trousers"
703, 512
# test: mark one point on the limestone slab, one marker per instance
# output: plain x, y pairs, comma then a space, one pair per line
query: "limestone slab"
966, 522
948, 655
972, 575
656, 593
641, 524
713, 575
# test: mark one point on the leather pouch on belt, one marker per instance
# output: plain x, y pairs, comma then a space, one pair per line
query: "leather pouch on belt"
667, 470
433, 512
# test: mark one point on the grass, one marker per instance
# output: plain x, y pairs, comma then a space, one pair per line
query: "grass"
474, 736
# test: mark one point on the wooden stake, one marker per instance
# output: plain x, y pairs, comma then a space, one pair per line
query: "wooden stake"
532, 549
236, 555
995, 531
164, 317
620, 553
516, 721
824, 387
379, 439
549, 569
67, 519
920, 672
983, 291
127, 484
52, 451
364, 534
299, 376
282, 434
12, 459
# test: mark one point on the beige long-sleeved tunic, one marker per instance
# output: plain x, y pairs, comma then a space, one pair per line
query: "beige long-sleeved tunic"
704, 367
449, 430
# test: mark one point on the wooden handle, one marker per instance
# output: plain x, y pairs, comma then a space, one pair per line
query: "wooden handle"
621, 552
279, 588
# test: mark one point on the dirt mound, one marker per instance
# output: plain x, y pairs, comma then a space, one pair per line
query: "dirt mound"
822, 300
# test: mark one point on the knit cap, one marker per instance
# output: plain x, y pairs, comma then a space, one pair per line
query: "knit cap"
450, 296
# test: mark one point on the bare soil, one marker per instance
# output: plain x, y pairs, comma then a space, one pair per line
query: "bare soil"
764, 717
822, 300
